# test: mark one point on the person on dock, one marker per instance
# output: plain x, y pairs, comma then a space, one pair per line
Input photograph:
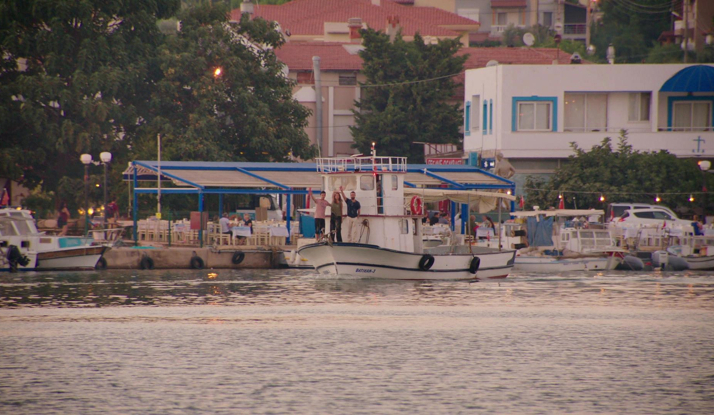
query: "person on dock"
352, 220
112, 211
336, 217
63, 219
225, 223
320, 205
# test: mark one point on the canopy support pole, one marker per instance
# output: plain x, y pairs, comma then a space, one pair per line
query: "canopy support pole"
287, 217
220, 205
200, 216
135, 207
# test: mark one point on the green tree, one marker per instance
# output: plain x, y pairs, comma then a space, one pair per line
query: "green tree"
405, 95
73, 79
631, 27
622, 175
245, 112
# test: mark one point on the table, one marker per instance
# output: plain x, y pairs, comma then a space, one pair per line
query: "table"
241, 231
485, 233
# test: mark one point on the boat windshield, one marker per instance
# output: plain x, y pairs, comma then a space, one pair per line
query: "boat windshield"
6, 228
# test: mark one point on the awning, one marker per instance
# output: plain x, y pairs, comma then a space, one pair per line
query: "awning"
249, 175
481, 202
699, 78
559, 212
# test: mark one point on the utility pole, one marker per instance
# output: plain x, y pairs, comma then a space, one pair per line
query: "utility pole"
587, 25
318, 102
685, 5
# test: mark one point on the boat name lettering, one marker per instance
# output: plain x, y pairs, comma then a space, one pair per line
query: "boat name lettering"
366, 270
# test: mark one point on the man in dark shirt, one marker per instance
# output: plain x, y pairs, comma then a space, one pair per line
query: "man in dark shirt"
434, 219
351, 222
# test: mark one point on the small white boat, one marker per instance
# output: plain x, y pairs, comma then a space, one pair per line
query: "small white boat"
22, 247
544, 245
391, 241
696, 251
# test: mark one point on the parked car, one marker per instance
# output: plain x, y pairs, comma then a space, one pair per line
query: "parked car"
616, 210
652, 217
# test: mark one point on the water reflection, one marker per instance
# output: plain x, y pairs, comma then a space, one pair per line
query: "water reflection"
291, 287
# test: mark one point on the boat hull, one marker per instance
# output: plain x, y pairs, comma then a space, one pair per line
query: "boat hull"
562, 264
71, 258
699, 262
371, 261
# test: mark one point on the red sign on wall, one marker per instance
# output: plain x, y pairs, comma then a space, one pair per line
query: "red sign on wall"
444, 161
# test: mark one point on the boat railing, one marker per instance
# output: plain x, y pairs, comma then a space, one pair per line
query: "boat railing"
361, 164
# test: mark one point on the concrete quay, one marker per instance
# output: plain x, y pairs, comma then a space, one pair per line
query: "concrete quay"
192, 257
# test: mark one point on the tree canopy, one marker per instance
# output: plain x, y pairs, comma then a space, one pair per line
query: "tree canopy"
622, 175
243, 112
73, 79
406, 93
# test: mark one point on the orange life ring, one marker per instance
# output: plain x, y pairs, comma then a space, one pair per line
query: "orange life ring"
416, 205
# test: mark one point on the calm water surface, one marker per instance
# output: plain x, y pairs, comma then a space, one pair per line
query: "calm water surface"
175, 342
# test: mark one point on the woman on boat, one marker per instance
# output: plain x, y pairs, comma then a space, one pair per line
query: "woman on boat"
63, 219
336, 217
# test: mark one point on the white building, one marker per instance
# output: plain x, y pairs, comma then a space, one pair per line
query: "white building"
531, 113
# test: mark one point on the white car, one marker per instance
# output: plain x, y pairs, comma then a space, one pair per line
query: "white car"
651, 217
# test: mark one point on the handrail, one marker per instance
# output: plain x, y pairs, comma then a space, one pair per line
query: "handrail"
361, 164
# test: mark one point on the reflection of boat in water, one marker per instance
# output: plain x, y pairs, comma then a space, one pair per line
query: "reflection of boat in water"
391, 242
547, 245
23, 247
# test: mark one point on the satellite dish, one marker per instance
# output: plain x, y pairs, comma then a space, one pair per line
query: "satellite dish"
528, 39
492, 63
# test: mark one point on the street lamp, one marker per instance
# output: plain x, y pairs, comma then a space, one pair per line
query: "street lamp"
86, 159
704, 166
106, 157
611, 54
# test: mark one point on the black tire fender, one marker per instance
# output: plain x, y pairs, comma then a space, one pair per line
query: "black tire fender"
101, 264
475, 263
238, 257
146, 263
426, 262
197, 262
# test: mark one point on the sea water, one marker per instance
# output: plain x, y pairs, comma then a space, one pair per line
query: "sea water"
233, 342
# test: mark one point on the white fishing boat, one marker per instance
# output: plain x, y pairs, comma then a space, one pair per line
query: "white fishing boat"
696, 251
22, 247
547, 245
390, 241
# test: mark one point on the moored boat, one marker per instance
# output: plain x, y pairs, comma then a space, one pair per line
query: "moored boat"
22, 247
390, 243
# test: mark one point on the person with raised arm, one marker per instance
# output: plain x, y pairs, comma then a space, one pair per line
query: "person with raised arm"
320, 205
352, 220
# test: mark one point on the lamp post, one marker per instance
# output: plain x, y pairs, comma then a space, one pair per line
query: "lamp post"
86, 159
610, 54
704, 166
106, 157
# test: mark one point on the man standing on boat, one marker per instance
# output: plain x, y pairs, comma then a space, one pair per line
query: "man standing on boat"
352, 220
320, 205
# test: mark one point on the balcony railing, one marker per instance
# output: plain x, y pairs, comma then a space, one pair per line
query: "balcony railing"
574, 29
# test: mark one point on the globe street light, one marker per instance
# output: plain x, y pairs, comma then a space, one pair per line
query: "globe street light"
106, 157
86, 159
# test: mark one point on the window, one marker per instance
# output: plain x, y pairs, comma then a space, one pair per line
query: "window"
585, 112
692, 116
467, 118
490, 116
534, 116
472, 14
305, 78
366, 182
661, 215
341, 127
348, 79
547, 19
639, 106
395, 182
485, 117
348, 182
644, 215
475, 108
502, 19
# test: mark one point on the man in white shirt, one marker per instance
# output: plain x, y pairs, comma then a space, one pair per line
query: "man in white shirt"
225, 224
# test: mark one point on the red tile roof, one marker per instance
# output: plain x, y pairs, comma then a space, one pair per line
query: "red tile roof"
333, 56
336, 57
307, 17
